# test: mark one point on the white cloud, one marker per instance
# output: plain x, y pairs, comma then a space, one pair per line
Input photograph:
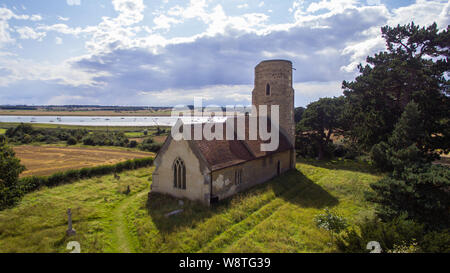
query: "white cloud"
58, 41
334, 6
73, 2
63, 18
5, 36
307, 92
5, 29
164, 22
229, 94
62, 73
373, 2
422, 13
65, 29
130, 11
29, 33
36, 17
242, 6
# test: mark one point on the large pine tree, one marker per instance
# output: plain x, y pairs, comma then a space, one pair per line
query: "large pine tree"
415, 68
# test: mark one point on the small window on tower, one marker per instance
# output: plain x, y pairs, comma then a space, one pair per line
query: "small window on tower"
268, 90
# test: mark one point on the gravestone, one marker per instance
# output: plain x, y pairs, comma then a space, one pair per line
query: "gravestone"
173, 212
70, 231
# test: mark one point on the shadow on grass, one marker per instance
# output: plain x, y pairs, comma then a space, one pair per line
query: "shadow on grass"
341, 164
292, 186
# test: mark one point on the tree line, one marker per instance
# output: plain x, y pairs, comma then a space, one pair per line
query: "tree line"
26, 134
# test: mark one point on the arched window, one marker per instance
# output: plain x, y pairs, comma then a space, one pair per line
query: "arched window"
179, 174
238, 177
267, 89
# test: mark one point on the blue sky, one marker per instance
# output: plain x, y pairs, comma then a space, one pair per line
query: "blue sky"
161, 53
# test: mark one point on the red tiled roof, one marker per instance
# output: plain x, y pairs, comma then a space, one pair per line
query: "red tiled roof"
224, 153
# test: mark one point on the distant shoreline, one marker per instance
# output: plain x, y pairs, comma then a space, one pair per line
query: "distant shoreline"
83, 113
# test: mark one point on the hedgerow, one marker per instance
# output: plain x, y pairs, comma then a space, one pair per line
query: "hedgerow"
32, 183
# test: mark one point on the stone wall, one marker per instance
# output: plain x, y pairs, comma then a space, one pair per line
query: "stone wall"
278, 74
197, 175
253, 172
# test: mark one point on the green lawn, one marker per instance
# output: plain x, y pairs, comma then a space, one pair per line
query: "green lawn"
134, 134
274, 217
2, 131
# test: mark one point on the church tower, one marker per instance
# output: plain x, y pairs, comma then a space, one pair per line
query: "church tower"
273, 86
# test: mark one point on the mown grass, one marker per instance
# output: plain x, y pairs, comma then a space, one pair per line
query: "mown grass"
39, 222
277, 216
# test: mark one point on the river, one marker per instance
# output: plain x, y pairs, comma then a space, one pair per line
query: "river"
105, 120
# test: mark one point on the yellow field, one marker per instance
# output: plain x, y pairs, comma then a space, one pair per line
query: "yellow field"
45, 160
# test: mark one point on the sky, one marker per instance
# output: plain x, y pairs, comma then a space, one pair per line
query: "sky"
164, 53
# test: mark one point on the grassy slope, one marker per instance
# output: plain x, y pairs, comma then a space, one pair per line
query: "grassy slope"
274, 217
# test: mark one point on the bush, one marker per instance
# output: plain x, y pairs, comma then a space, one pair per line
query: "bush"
27, 139
133, 144
71, 141
150, 147
436, 242
399, 231
148, 140
106, 139
397, 236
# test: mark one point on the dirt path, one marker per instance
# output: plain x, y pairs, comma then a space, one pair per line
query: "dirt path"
123, 237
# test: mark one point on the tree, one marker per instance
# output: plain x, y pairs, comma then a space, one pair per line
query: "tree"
402, 150
320, 120
412, 69
10, 168
331, 222
298, 113
422, 194
414, 186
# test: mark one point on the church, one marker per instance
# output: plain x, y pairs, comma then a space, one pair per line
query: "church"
212, 170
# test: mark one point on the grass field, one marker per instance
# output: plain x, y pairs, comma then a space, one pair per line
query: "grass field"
274, 217
45, 160
2, 131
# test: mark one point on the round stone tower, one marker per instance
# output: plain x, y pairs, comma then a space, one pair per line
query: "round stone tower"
273, 86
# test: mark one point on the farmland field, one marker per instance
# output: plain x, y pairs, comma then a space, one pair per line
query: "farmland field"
277, 216
45, 160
